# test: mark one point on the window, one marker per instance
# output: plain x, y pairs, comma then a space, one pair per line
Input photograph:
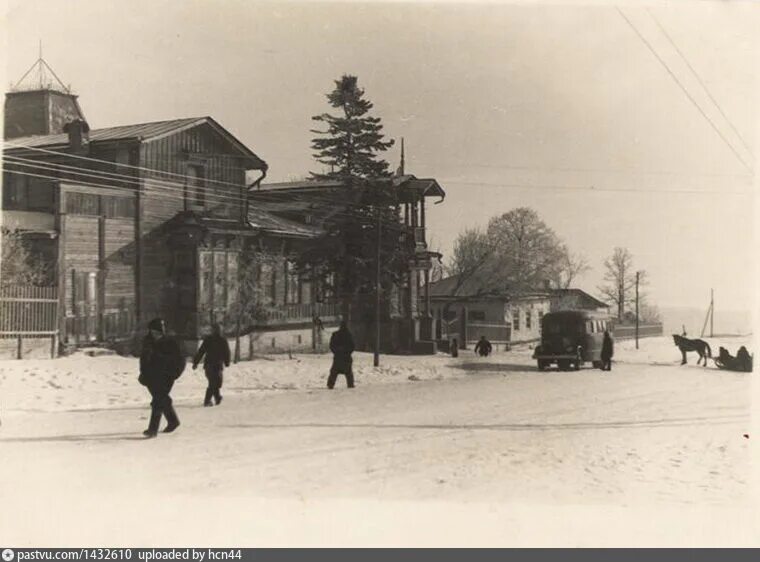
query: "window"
232, 278
206, 285
292, 282
196, 184
590, 328
26, 193
82, 204
476, 315
119, 207
528, 315
516, 320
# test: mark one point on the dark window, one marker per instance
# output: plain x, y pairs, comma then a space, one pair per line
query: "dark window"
476, 315
26, 193
293, 290
82, 204
516, 320
119, 207
196, 184
528, 319
273, 286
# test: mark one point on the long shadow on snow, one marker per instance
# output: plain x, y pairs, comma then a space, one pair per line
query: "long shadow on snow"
497, 367
665, 422
75, 438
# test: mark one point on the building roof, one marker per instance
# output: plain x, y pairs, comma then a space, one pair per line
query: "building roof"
580, 294
258, 222
271, 224
140, 132
474, 287
426, 186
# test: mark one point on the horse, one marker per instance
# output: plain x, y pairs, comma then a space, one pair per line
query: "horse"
700, 346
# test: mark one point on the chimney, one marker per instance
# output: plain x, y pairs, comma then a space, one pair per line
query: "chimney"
79, 135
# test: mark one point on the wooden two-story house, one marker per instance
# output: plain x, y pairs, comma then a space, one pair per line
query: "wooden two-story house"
141, 221
408, 325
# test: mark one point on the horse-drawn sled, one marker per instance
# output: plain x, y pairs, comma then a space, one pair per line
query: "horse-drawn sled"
742, 362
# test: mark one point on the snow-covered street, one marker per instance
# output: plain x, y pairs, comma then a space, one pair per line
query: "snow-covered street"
421, 445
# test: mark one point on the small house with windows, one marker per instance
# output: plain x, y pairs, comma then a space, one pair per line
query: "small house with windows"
146, 220
464, 312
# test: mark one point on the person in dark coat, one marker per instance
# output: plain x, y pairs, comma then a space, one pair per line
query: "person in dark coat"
608, 350
215, 353
744, 360
161, 363
483, 347
342, 346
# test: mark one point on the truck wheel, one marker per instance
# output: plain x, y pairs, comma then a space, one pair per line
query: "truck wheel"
564, 365
542, 365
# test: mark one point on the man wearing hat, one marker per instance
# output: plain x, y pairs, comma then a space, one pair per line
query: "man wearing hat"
215, 353
161, 363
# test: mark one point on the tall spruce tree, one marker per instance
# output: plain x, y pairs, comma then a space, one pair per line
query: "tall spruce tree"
345, 258
352, 141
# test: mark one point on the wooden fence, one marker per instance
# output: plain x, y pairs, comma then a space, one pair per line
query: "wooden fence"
645, 331
29, 313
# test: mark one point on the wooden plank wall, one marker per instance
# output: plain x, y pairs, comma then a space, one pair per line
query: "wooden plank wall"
162, 197
80, 251
119, 261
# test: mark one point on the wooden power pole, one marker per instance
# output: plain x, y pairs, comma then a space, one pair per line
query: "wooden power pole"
637, 309
376, 361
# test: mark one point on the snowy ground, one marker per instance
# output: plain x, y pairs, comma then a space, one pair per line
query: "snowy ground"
425, 451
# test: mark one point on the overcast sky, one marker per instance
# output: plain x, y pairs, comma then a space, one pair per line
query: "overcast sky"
562, 108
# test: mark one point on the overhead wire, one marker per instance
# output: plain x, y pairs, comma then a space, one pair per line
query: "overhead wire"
699, 79
168, 184
683, 88
349, 214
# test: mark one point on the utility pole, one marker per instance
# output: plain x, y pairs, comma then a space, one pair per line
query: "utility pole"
377, 293
712, 311
637, 309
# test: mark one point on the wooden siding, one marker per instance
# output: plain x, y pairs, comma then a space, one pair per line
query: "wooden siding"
103, 249
163, 196
119, 264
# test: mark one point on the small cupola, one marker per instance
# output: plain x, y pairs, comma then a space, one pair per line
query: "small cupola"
39, 104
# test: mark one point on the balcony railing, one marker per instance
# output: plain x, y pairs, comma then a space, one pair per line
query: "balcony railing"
292, 313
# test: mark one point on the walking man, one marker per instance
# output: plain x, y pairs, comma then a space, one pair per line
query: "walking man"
342, 346
215, 352
161, 363
607, 351
483, 347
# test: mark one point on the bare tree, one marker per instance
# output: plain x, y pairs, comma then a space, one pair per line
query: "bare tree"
472, 250
19, 266
518, 252
571, 267
649, 313
620, 281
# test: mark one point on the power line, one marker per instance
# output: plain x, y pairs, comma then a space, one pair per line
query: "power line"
585, 170
685, 91
592, 188
348, 212
699, 79
157, 183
